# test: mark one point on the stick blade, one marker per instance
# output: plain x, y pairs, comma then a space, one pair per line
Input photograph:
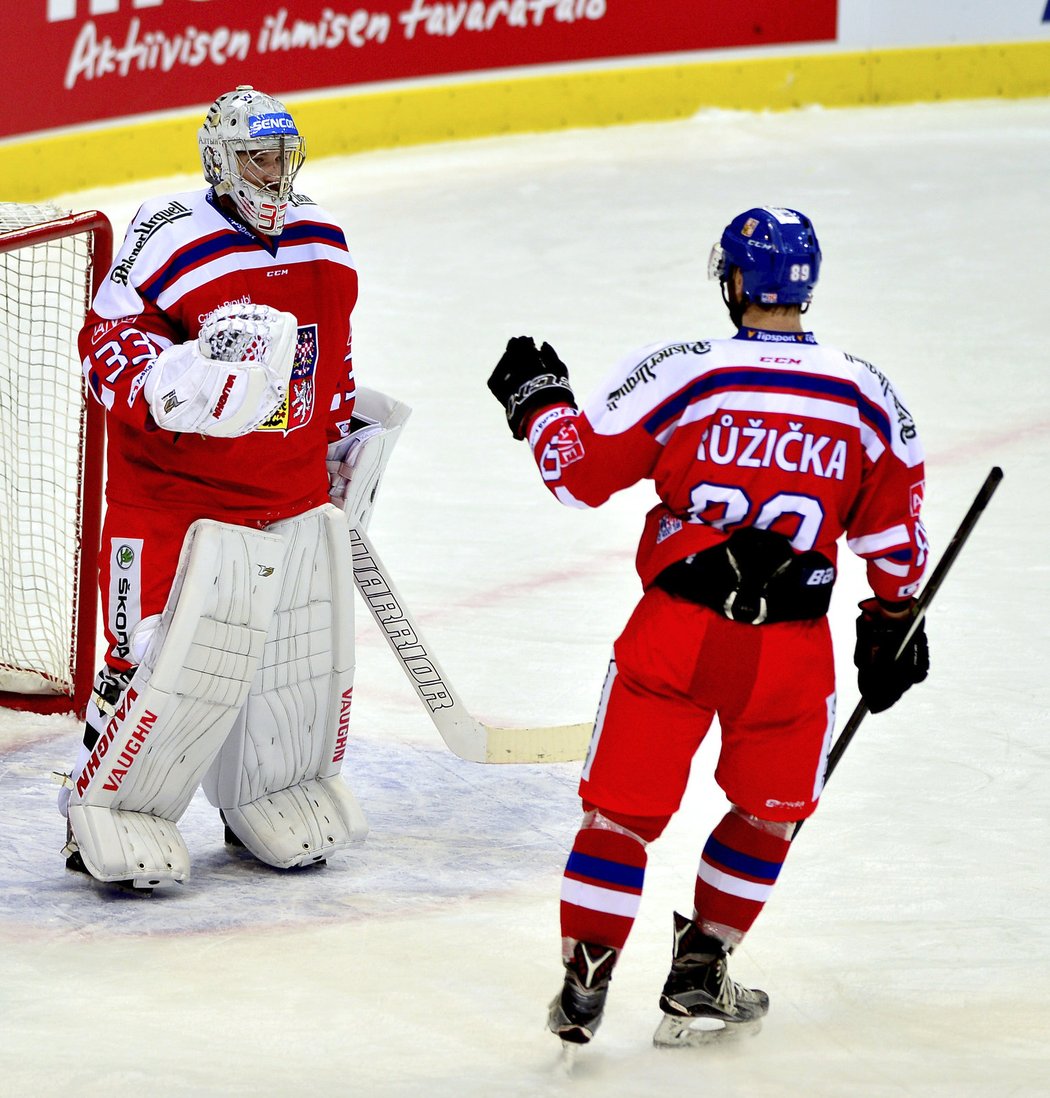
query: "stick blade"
564, 743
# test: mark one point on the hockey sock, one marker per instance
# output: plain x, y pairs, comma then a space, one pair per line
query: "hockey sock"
602, 886
738, 869
109, 687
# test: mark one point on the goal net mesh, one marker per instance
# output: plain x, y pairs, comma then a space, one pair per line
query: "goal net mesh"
43, 291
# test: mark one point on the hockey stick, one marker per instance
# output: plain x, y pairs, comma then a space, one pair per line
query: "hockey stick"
922, 603
465, 736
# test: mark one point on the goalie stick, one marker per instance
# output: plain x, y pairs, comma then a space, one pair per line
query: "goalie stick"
922, 604
466, 737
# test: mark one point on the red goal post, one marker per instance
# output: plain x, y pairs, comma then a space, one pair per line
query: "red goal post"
51, 457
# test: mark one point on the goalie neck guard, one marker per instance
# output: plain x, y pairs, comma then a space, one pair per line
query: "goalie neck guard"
252, 151
776, 252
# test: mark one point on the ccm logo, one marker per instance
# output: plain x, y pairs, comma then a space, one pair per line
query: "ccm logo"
277, 274
781, 361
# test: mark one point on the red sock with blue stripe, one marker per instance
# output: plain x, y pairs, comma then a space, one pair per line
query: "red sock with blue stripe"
739, 866
602, 885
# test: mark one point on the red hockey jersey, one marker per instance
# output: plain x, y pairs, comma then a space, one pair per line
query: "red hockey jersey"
184, 256
767, 429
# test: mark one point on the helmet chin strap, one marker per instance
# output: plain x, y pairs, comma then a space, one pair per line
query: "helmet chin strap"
739, 307
736, 308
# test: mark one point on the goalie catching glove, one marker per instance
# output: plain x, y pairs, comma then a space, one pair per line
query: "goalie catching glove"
527, 380
882, 675
230, 379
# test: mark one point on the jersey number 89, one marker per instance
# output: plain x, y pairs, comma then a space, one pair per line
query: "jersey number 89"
736, 505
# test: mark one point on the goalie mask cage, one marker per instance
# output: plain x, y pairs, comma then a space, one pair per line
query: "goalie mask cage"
51, 440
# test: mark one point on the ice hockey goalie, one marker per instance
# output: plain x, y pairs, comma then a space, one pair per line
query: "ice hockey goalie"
220, 346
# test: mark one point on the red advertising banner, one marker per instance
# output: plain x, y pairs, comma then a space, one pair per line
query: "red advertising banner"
77, 61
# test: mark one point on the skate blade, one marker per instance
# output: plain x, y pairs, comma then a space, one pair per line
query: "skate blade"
132, 886
569, 1052
146, 885
673, 1032
138, 886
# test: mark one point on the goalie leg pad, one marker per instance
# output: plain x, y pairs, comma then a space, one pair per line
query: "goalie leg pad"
179, 706
144, 850
299, 825
276, 779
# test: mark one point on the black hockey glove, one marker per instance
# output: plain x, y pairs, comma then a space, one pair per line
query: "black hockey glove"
881, 678
526, 380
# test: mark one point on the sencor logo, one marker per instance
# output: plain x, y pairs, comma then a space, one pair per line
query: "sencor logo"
263, 124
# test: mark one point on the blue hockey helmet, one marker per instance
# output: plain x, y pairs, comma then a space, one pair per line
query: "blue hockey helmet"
776, 251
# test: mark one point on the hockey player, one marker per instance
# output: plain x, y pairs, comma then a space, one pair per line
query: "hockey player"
220, 346
764, 450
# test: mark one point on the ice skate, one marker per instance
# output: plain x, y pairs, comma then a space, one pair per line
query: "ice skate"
701, 1004
75, 864
71, 852
228, 837
576, 1012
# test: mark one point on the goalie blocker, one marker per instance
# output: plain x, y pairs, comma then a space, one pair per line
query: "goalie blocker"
246, 683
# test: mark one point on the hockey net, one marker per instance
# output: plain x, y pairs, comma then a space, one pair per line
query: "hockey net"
51, 440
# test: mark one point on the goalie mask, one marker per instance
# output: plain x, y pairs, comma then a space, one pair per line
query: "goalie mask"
251, 150
776, 252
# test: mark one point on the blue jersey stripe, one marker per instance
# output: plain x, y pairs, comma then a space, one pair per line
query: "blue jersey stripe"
733, 860
231, 242
302, 230
601, 869
200, 252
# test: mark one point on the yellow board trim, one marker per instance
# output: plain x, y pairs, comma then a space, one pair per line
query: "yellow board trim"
429, 112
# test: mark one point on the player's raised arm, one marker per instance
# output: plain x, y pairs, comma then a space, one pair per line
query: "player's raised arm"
581, 462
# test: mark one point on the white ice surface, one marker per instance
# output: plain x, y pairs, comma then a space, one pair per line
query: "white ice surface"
906, 949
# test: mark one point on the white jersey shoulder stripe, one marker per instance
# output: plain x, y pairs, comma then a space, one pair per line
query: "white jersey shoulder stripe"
881, 542
233, 262
176, 236
664, 385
